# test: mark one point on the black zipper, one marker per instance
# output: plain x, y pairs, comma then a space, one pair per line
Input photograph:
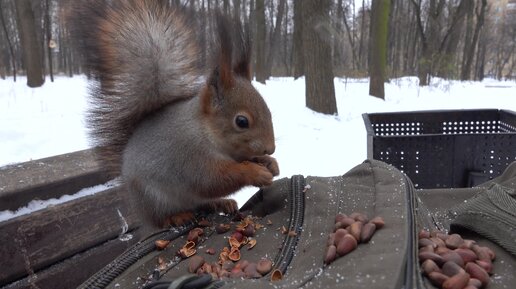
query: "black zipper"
296, 200
296, 204
412, 273
106, 275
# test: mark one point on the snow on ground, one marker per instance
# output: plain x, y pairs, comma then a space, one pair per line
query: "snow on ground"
46, 121
41, 122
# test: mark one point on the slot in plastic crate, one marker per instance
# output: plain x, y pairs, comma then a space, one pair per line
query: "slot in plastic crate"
444, 148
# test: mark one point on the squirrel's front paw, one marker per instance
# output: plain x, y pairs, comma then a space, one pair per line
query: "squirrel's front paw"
269, 162
261, 176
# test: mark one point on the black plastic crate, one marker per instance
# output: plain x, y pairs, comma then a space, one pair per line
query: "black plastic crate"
445, 148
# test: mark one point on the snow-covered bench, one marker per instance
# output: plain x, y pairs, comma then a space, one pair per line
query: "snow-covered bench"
60, 245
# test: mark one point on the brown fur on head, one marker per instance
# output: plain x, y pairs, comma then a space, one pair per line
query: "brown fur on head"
235, 112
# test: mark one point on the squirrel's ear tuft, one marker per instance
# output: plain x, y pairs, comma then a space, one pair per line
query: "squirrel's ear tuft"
223, 73
243, 61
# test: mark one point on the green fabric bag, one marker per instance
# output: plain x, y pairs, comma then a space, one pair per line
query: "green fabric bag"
298, 214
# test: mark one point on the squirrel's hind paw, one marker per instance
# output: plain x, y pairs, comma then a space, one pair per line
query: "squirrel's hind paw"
178, 219
226, 206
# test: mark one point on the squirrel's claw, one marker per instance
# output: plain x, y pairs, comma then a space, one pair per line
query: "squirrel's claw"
226, 206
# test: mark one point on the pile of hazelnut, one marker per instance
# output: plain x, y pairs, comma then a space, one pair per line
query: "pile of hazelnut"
451, 262
348, 232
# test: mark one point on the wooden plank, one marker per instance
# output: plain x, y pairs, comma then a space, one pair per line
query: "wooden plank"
73, 271
48, 178
35, 241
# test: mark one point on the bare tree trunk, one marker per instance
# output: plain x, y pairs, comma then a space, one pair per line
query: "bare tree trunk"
480, 63
287, 55
395, 38
509, 74
378, 47
70, 62
31, 49
9, 43
447, 66
236, 9
411, 44
226, 6
2, 68
320, 89
504, 60
429, 39
48, 39
354, 57
244, 10
260, 67
338, 42
274, 45
297, 43
470, 53
363, 29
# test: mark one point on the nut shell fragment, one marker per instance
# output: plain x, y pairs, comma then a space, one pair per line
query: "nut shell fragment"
189, 245
276, 275
234, 243
251, 243
161, 244
234, 255
223, 257
187, 253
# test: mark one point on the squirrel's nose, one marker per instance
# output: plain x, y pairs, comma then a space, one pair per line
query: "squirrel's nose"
269, 150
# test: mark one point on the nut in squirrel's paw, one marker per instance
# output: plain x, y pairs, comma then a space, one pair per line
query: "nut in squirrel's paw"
263, 177
269, 162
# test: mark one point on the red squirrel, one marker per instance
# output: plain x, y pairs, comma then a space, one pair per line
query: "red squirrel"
181, 135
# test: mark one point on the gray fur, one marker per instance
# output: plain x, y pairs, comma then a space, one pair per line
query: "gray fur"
176, 142
145, 55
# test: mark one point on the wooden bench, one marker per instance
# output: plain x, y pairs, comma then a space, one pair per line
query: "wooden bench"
64, 244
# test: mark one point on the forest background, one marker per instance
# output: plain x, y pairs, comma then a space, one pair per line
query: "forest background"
318, 39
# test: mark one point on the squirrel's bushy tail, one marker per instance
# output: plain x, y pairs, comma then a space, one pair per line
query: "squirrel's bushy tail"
144, 54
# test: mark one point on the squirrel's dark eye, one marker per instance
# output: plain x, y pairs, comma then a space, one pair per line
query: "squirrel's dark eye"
242, 121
